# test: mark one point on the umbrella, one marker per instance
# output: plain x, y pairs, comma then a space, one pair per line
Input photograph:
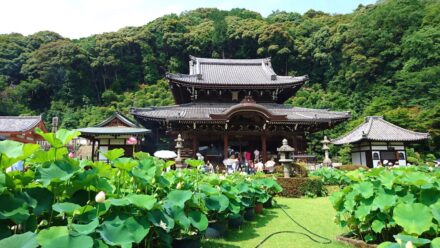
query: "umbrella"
164, 154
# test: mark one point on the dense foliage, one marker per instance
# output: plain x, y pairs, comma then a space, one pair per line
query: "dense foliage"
383, 205
330, 176
382, 59
58, 201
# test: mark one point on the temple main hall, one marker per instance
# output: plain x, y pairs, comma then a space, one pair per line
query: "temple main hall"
233, 105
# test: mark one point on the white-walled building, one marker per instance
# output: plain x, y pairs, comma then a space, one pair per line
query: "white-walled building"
377, 140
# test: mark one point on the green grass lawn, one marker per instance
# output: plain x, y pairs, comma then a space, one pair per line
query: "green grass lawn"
315, 214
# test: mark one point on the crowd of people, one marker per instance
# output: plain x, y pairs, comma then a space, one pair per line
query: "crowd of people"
245, 162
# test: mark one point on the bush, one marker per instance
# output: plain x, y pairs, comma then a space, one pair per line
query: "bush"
351, 167
382, 204
301, 186
297, 169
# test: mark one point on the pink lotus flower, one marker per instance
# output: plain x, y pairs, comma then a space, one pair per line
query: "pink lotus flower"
71, 155
132, 141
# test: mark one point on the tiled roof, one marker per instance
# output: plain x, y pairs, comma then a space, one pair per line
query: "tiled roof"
202, 112
18, 123
112, 130
119, 116
234, 72
377, 129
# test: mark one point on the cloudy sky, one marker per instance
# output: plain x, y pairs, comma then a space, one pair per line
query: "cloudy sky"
79, 18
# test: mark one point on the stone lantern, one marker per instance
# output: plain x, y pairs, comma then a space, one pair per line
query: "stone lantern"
327, 161
286, 152
179, 146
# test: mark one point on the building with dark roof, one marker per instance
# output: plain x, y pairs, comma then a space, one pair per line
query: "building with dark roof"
377, 140
21, 128
113, 133
235, 104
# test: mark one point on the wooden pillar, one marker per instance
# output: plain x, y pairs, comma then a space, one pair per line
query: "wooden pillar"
195, 145
225, 145
93, 150
263, 147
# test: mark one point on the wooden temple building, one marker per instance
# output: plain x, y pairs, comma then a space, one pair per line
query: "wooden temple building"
377, 140
226, 105
114, 132
21, 128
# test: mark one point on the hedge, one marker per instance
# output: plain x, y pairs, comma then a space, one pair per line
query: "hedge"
301, 186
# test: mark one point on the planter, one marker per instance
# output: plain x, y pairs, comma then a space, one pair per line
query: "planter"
235, 221
249, 213
259, 208
188, 242
268, 203
355, 242
216, 229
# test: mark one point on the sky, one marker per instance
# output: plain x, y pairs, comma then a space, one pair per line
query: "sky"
80, 18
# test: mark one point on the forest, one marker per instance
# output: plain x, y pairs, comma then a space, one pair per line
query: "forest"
381, 59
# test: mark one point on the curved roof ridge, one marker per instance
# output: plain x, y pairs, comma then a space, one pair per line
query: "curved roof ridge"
378, 129
229, 61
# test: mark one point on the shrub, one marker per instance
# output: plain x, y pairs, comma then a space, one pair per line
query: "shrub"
351, 167
382, 204
297, 169
301, 186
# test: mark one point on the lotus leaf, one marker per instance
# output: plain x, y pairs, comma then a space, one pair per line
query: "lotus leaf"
59, 236
198, 220
25, 240
415, 218
124, 231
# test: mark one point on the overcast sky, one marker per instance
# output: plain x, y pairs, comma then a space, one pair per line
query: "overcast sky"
79, 18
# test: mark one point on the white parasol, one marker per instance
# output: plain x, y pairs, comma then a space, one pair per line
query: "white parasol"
165, 154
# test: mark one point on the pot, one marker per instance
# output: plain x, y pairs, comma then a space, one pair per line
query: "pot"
249, 213
268, 203
188, 242
216, 229
259, 208
235, 221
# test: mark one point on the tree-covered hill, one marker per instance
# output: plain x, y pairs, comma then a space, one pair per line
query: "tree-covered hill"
382, 59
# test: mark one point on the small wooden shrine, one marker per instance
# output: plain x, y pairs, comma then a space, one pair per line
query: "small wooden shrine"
379, 141
114, 132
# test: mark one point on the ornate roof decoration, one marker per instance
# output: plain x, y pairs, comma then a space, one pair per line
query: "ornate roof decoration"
202, 112
375, 128
14, 124
234, 73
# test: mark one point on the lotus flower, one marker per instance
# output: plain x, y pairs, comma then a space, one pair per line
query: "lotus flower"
100, 197
71, 155
132, 141
179, 185
409, 244
163, 225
